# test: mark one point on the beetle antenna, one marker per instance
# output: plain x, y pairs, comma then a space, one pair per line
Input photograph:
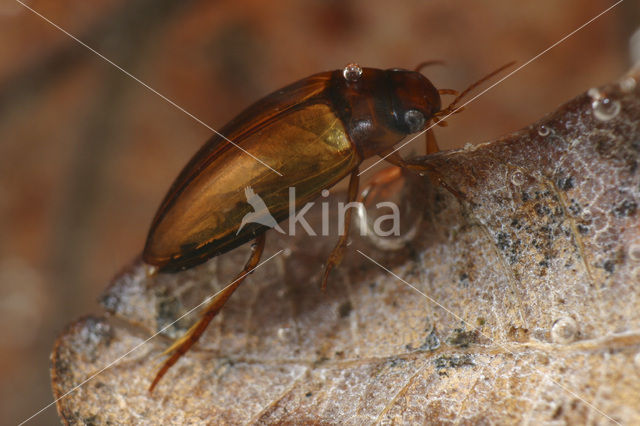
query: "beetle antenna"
466, 91
425, 64
448, 92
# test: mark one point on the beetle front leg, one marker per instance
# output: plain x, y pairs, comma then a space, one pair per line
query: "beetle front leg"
395, 159
338, 251
182, 345
432, 145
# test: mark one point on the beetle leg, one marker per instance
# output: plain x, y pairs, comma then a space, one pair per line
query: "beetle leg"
395, 159
432, 145
182, 345
381, 178
338, 251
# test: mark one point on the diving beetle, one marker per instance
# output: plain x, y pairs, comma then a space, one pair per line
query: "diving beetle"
314, 132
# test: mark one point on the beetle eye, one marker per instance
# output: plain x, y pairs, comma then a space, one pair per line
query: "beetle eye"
414, 120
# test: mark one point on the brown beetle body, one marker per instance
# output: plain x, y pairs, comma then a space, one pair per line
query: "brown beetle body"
315, 132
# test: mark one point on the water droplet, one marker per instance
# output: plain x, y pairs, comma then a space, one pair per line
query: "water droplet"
517, 178
325, 193
352, 72
543, 130
564, 330
605, 109
627, 84
286, 252
634, 252
394, 233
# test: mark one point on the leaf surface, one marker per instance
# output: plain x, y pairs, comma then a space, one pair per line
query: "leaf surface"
525, 302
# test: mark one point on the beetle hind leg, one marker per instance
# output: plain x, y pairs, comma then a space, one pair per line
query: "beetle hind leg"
183, 344
338, 251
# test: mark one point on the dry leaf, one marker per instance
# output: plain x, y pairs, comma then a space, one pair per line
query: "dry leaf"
525, 304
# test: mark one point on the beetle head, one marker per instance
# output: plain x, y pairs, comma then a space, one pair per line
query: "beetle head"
414, 100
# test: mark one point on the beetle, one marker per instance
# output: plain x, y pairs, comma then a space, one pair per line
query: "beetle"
315, 132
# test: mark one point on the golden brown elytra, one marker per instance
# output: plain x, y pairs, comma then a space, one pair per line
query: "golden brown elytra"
314, 132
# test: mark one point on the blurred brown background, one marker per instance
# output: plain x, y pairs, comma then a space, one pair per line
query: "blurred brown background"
86, 153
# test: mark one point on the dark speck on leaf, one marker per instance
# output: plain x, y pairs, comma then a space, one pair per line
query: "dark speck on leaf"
574, 208
455, 361
503, 241
542, 210
609, 266
626, 208
431, 343
566, 183
345, 309
462, 338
